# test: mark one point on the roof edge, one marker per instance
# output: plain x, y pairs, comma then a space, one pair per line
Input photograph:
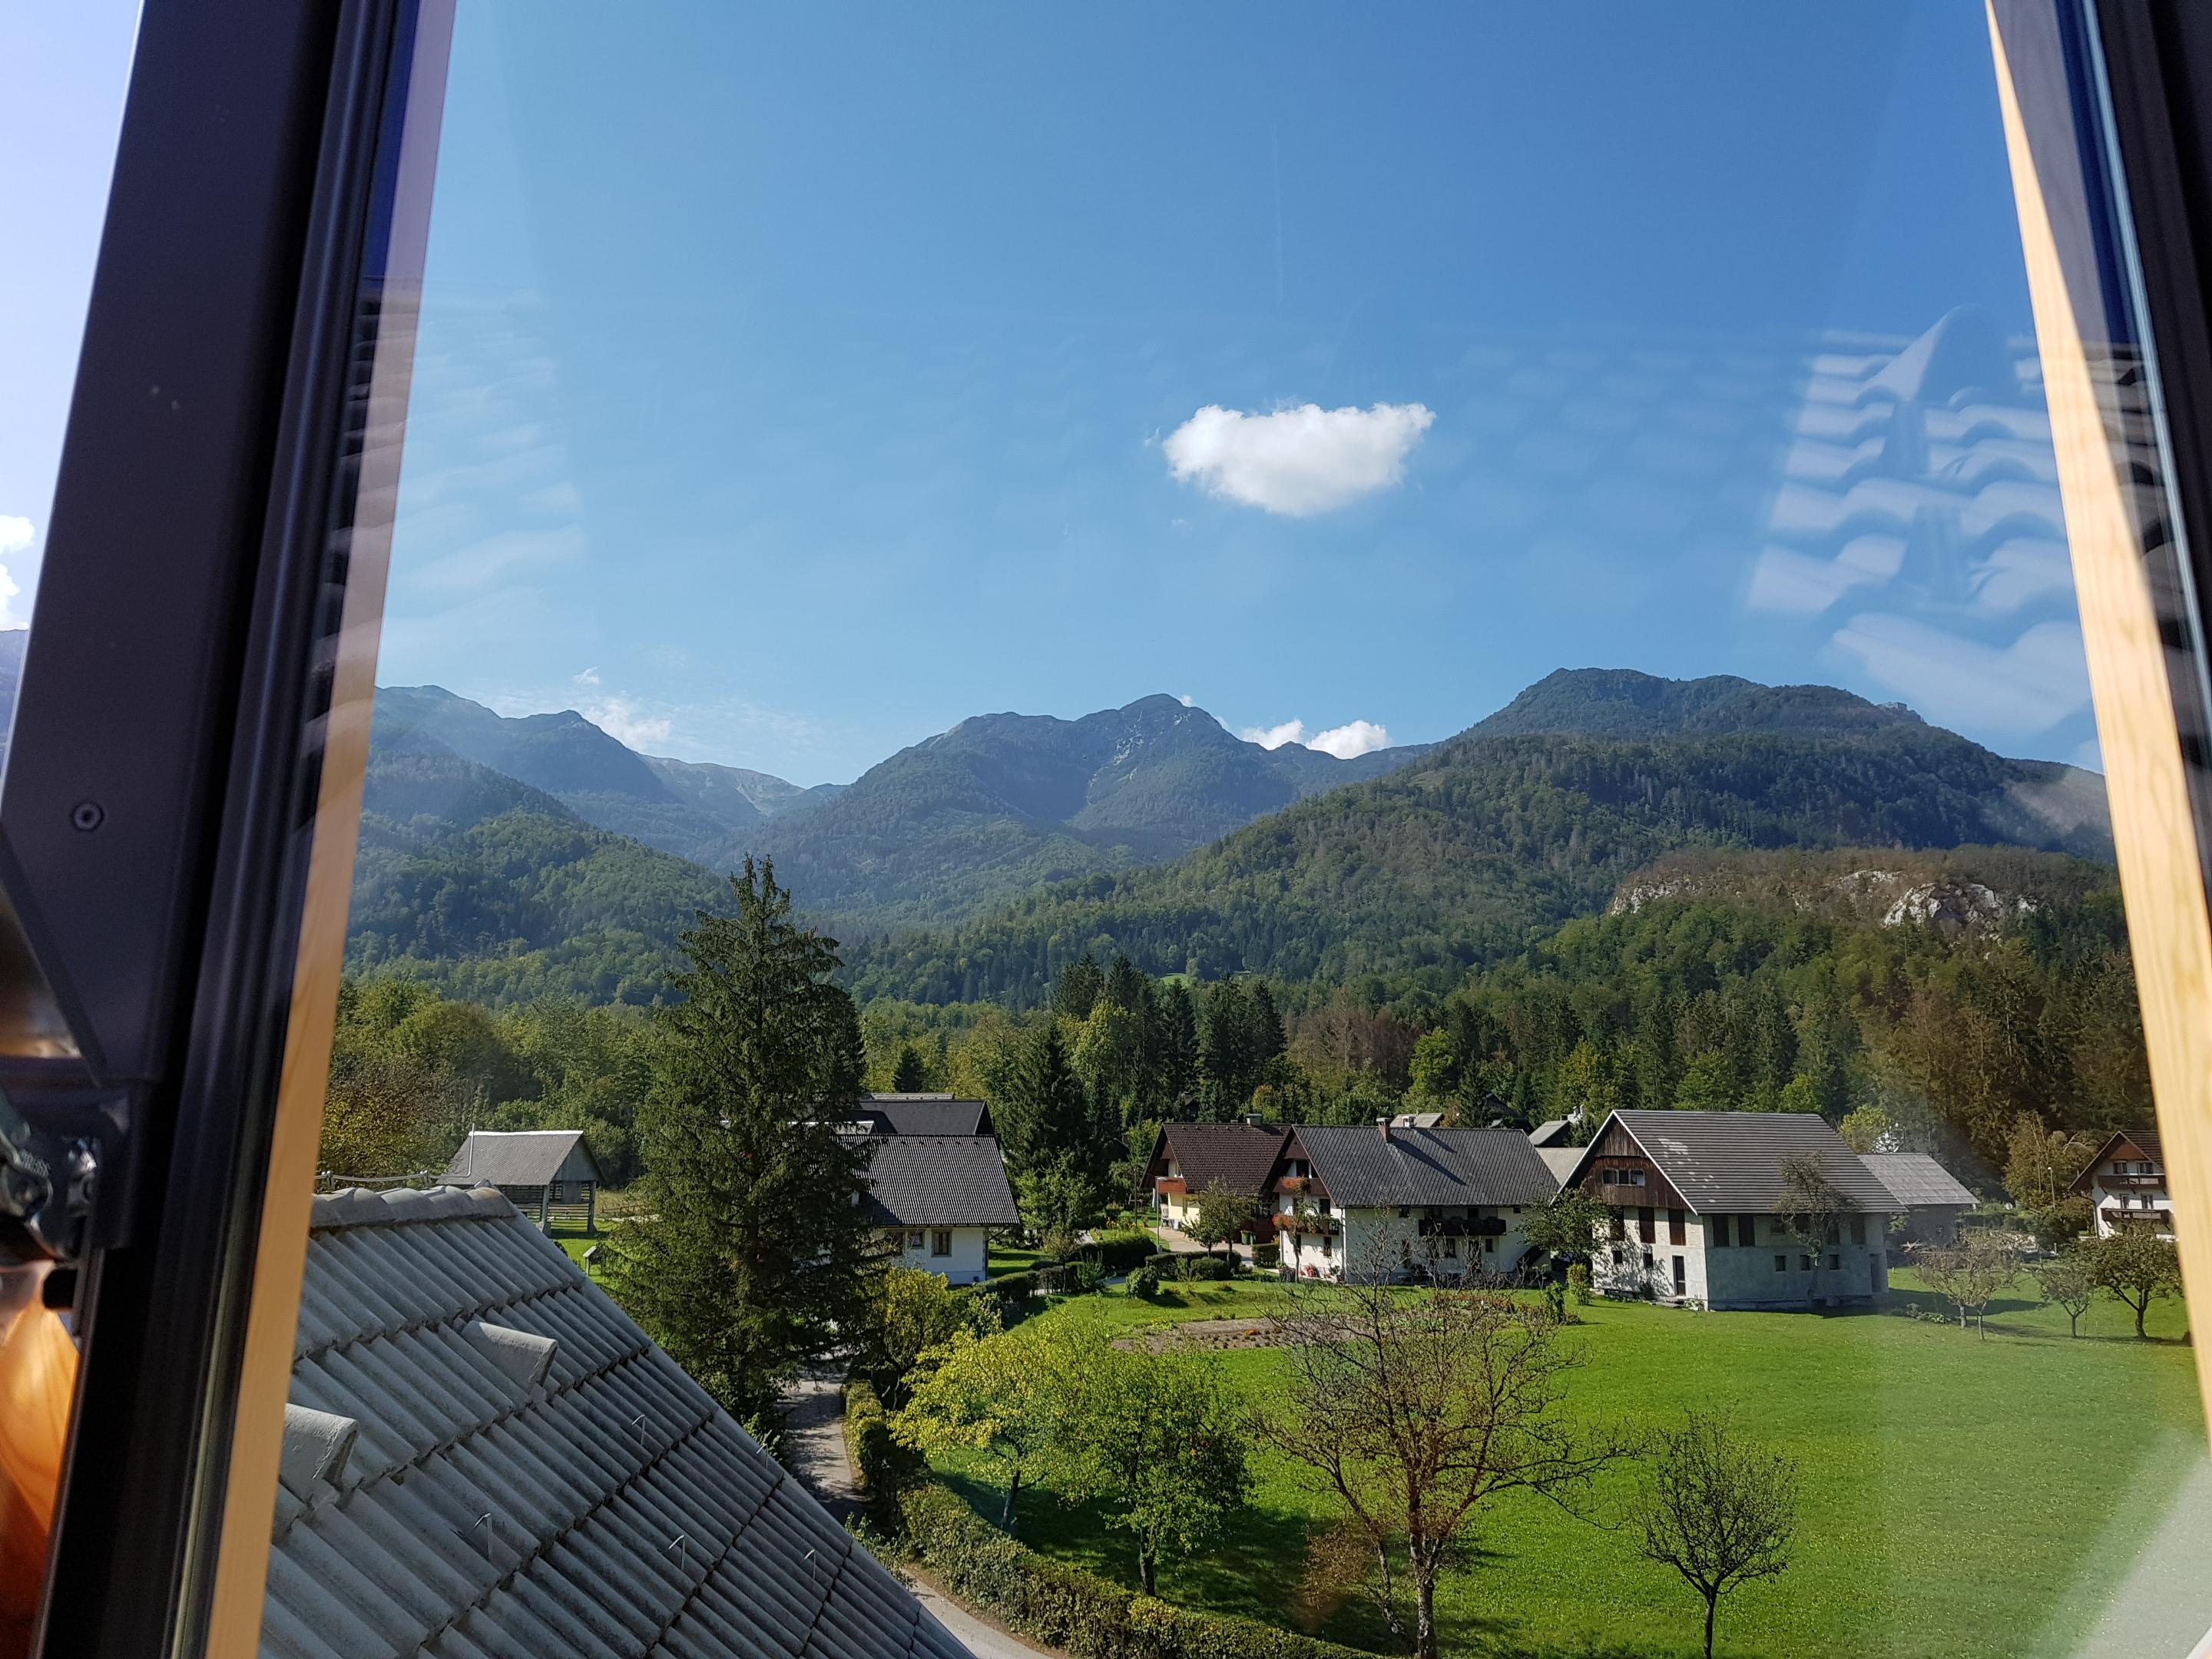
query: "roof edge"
360, 1207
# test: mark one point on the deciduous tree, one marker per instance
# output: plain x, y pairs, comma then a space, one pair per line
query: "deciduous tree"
1970, 1274
1161, 1442
1004, 1393
1719, 1509
2070, 1283
1812, 1210
1413, 1412
1223, 1213
2138, 1266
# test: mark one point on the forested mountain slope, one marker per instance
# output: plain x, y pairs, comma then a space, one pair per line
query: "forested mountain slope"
1458, 859
1003, 803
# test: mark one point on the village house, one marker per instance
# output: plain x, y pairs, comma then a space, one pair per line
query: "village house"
539, 1171
1352, 1199
1694, 1197
2125, 1184
482, 1455
1192, 1157
939, 1198
1928, 1195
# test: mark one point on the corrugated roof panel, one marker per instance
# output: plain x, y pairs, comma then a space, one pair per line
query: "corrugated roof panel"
481, 1517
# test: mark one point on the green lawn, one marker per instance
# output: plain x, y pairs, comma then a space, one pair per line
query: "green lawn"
1005, 1259
575, 1240
1960, 1496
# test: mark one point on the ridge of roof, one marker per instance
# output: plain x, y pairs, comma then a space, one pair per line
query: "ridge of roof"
365, 1206
1362, 1167
1721, 1161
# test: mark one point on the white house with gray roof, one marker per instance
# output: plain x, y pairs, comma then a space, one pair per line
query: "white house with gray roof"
1693, 1198
484, 1459
939, 1198
1448, 1201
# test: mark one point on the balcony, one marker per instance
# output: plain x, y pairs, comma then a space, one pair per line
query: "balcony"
1292, 1184
2132, 1183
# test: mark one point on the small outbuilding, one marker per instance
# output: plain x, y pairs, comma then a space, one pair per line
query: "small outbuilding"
1928, 1195
540, 1171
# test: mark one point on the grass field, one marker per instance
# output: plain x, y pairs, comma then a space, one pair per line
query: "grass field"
1960, 1496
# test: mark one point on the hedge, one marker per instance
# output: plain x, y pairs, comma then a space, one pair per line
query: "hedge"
1090, 1617
885, 1468
1118, 1252
1213, 1267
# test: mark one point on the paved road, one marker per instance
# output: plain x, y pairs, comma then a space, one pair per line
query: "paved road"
814, 1450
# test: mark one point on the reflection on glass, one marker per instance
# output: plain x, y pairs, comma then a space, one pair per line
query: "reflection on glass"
1439, 651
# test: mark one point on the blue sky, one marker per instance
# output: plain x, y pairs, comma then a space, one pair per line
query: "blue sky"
793, 385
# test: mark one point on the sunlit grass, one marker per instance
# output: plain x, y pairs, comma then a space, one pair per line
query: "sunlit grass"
1960, 1497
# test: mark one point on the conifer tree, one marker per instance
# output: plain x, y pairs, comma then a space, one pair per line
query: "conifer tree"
911, 1075
1077, 991
1052, 1117
757, 1246
1175, 1049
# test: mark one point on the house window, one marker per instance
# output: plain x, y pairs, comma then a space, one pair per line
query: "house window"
1681, 1278
1858, 1229
1403, 1212
1647, 1261
940, 1242
914, 1240
1489, 1246
1720, 1232
1327, 1245
1805, 1262
1451, 1249
1644, 1219
1834, 1262
1677, 1224
1782, 1264
1747, 1229
1618, 1219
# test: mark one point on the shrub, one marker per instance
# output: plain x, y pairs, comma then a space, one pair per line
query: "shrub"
1211, 1268
1014, 1287
1163, 1262
1578, 1280
1266, 1258
1065, 1607
1089, 1277
1144, 1282
885, 1468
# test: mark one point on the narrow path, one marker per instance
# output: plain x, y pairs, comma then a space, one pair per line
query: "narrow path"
814, 1451
814, 1439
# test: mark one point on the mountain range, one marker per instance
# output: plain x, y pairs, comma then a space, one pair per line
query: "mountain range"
506, 857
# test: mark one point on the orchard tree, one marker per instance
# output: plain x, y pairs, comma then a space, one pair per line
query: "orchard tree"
2070, 1283
1414, 1413
1719, 1510
916, 1313
1970, 1274
2138, 1266
1224, 1213
1161, 1442
1811, 1211
1004, 1395
755, 1247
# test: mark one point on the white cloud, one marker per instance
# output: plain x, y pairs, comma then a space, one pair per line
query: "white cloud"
1188, 701
589, 676
2028, 686
15, 534
1274, 736
621, 719
15, 538
1360, 738
1296, 462
1356, 738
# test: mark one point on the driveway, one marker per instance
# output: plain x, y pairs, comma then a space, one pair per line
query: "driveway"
814, 1451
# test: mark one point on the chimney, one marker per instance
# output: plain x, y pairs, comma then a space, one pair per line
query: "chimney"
1382, 1127
1254, 1119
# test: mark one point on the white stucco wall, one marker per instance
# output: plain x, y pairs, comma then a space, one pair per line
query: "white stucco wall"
1737, 1276
969, 1263
1368, 1230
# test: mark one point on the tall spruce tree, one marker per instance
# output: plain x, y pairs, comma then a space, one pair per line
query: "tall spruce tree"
1052, 1117
911, 1075
1127, 986
1077, 991
756, 1248
1174, 1054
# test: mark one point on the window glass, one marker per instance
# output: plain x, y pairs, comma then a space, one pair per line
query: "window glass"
67, 67
1451, 581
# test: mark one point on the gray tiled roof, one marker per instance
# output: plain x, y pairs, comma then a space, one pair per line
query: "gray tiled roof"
940, 1181
527, 1475
924, 1114
1916, 1178
1239, 1155
1732, 1161
1560, 1161
1361, 1170
526, 1158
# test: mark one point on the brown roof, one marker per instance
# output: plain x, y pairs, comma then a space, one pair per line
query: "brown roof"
1238, 1155
2145, 1142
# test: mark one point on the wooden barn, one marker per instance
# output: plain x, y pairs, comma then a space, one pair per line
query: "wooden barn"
542, 1172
